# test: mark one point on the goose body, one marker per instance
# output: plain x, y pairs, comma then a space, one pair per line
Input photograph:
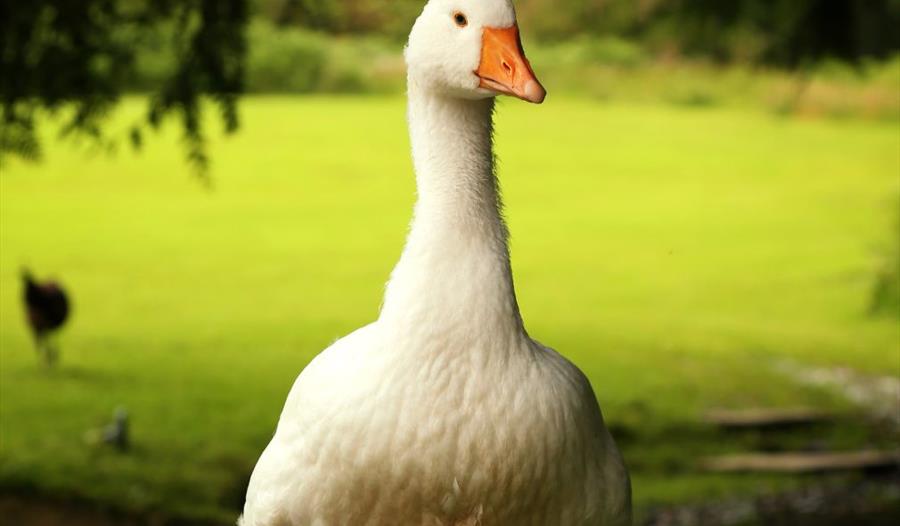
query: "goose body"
444, 411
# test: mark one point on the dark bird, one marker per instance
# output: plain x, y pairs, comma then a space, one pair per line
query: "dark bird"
47, 306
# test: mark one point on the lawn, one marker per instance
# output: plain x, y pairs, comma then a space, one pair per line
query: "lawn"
676, 255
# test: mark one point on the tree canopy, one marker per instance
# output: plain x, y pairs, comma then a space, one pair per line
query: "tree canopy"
76, 58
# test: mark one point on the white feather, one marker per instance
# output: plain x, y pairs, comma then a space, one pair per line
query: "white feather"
444, 411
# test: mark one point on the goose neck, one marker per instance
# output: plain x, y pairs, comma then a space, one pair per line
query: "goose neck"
454, 273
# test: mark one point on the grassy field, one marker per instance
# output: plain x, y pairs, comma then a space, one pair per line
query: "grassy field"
676, 255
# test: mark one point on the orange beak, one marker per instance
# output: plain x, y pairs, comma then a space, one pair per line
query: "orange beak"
504, 68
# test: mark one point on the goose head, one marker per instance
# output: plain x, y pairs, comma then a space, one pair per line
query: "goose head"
471, 49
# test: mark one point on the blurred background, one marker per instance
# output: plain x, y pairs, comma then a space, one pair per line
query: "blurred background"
705, 217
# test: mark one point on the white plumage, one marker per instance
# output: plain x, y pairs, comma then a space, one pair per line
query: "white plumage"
444, 411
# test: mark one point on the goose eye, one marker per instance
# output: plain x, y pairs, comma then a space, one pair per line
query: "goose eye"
460, 19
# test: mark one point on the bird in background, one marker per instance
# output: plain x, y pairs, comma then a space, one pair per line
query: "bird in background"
47, 307
115, 434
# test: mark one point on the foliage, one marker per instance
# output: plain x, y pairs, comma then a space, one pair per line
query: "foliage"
675, 255
792, 32
75, 59
285, 61
782, 32
79, 56
292, 60
618, 71
392, 17
288, 59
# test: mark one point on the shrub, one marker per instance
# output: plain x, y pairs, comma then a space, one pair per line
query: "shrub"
615, 52
284, 60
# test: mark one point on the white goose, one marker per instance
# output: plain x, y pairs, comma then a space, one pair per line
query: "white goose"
444, 411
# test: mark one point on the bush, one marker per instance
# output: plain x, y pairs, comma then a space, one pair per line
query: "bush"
289, 60
615, 52
284, 61
293, 60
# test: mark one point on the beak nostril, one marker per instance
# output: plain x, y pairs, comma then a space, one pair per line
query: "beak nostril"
506, 66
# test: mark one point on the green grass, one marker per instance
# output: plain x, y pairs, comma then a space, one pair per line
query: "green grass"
674, 254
